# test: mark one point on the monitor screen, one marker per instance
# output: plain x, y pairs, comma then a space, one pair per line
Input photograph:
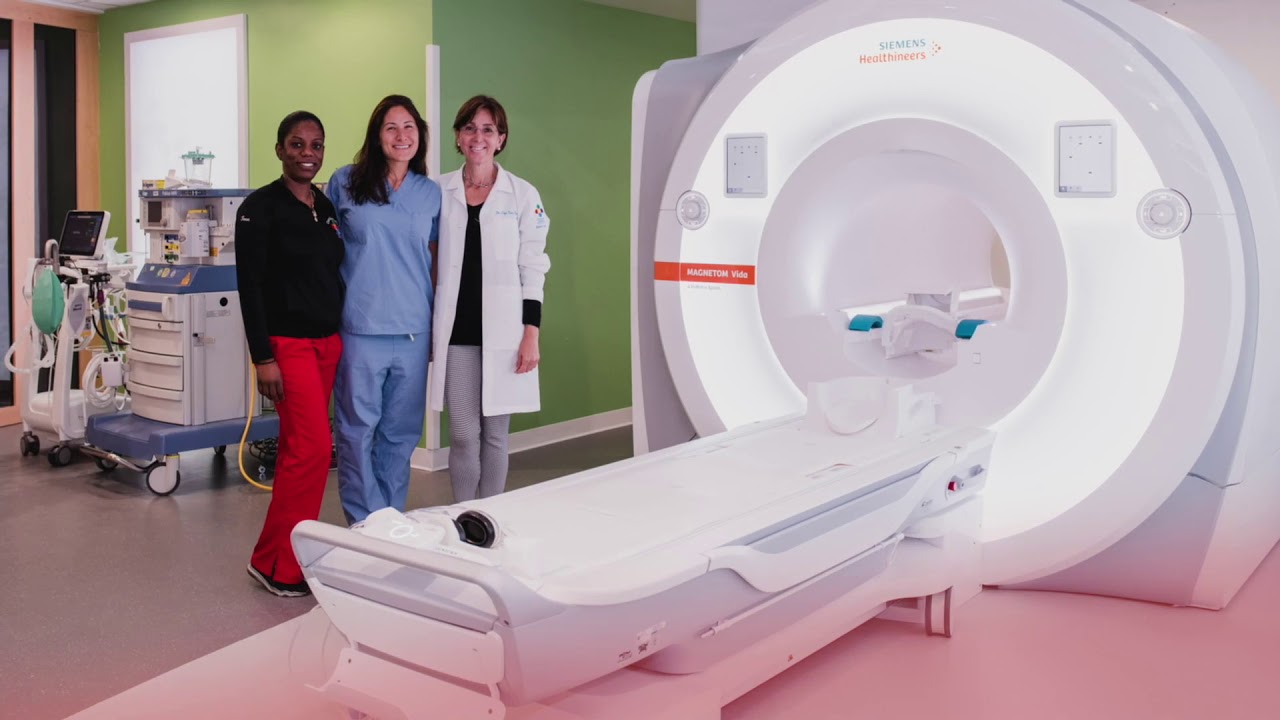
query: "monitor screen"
80, 233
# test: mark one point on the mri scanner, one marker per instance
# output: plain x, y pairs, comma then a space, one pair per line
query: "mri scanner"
928, 295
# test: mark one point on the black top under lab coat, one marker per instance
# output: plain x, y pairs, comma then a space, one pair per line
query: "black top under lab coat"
467, 324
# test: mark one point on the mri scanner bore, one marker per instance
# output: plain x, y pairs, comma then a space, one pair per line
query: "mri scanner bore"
885, 417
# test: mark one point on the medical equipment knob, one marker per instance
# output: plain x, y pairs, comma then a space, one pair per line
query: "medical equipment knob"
476, 529
1164, 213
692, 210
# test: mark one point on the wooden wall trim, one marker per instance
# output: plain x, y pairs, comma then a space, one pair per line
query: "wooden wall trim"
48, 15
88, 124
23, 163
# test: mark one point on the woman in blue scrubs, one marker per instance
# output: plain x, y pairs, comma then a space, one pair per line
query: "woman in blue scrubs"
389, 214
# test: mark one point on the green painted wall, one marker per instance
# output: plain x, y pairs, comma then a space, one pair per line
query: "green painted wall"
565, 71
336, 58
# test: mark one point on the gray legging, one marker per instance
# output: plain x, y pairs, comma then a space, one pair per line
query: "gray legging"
477, 444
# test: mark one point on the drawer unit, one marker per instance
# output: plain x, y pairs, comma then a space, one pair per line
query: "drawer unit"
158, 404
188, 363
159, 338
157, 371
155, 306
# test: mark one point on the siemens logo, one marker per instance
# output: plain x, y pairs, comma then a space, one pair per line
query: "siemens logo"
900, 51
903, 45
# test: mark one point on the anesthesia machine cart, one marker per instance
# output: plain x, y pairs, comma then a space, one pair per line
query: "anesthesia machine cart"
188, 363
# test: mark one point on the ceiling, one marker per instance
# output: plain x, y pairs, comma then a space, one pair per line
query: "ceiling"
93, 6
679, 9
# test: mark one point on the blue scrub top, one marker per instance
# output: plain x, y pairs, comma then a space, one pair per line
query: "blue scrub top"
387, 267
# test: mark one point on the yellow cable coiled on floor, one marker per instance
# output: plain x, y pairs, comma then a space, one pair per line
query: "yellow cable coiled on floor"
253, 396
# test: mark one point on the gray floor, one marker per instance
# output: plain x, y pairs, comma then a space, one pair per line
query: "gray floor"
105, 585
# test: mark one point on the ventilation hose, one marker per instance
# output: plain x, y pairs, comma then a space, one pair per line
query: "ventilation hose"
253, 397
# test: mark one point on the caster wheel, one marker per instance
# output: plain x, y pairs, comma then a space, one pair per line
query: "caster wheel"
220, 450
60, 456
158, 481
106, 465
30, 445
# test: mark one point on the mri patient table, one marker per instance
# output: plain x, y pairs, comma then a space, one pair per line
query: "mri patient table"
670, 562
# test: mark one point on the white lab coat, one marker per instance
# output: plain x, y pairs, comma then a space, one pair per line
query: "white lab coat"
513, 238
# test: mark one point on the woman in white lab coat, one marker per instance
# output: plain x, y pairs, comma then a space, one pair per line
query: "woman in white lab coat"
488, 307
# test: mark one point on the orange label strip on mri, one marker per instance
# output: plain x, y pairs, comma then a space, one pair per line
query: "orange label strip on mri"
700, 273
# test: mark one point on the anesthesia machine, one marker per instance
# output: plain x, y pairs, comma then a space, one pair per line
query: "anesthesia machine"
188, 369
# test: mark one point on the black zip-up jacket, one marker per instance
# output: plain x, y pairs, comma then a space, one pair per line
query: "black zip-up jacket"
288, 268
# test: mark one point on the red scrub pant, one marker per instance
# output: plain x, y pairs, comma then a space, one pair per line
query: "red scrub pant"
303, 450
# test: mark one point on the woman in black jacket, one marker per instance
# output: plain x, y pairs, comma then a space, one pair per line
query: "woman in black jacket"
288, 255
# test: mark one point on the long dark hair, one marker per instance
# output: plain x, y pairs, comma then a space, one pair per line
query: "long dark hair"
368, 181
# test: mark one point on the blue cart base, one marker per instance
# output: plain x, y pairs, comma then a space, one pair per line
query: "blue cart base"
116, 438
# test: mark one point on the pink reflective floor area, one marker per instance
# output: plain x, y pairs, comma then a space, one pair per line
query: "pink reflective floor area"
1020, 655
1013, 656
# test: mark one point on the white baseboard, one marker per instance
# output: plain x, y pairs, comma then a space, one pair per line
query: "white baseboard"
434, 460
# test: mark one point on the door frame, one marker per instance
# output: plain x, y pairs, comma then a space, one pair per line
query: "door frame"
25, 17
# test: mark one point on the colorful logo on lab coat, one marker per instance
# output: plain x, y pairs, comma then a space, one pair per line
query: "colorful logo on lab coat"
540, 214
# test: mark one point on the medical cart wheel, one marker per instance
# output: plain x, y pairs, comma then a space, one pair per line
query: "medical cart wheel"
60, 456
220, 450
30, 445
161, 482
106, 465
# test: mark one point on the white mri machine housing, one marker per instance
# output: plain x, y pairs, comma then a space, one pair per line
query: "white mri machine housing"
1104, 428
1131, 380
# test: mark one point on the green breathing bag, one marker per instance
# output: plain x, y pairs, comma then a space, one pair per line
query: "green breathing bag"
47, 303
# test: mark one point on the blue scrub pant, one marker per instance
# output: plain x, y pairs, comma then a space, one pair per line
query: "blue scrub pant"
380, 403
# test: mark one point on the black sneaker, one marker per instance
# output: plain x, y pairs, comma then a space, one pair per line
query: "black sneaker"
278, 588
